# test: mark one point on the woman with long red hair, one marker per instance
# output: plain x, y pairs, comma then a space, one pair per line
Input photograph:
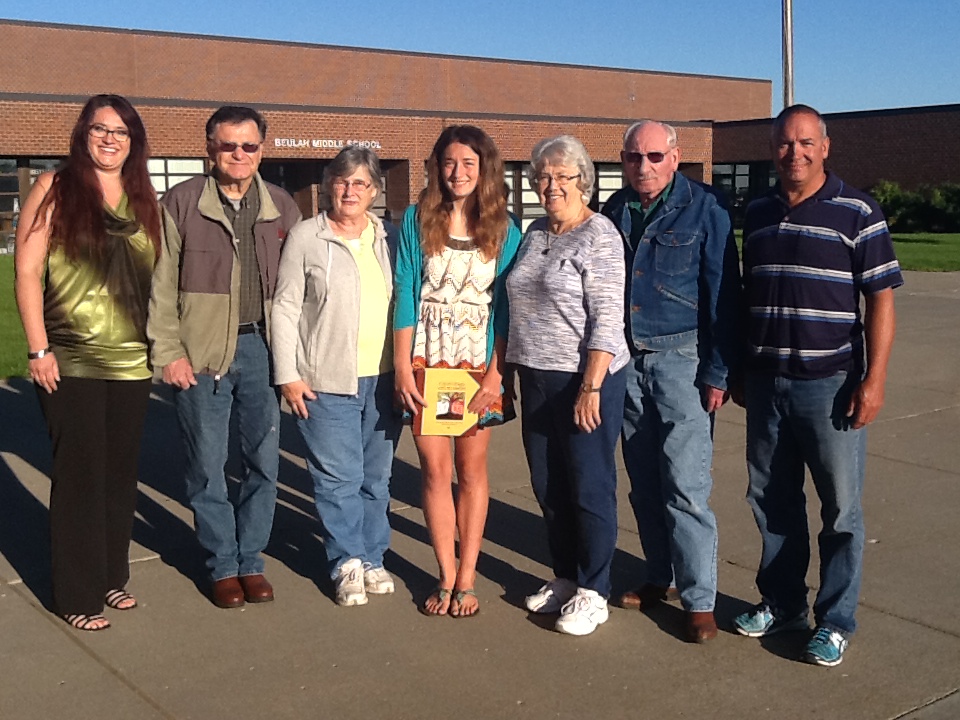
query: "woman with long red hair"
456, 247
86, 244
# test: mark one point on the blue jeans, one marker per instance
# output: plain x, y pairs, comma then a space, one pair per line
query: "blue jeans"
667, 449
350, 442
573, 473
790, 424
233, 535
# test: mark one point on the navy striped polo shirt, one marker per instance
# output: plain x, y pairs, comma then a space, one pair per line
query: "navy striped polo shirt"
804, 269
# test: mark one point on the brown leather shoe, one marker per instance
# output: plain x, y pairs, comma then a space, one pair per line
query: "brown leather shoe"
701, 627
227, 593
646, 596
256, 589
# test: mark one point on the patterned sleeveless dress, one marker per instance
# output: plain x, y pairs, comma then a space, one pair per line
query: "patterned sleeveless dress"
455, 313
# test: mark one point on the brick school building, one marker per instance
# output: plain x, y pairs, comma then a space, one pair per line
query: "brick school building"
318, 98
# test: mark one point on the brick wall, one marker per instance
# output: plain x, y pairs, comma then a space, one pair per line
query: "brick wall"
168, 66
43, 128
911, 146
319, 93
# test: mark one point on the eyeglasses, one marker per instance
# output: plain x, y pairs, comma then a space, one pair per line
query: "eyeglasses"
101, 131
231, 147
561, 180
637, 157
355, 185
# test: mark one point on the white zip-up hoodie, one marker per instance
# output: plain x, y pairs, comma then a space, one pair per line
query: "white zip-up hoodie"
316, 307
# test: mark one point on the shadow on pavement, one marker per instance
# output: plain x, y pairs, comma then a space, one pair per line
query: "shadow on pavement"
507, 526
295, 542
24, 528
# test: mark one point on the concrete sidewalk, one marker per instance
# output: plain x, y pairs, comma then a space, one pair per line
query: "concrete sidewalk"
177, 656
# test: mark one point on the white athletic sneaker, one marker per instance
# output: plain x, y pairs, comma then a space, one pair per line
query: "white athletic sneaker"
377, 581
350, 590
582, 613
551, 597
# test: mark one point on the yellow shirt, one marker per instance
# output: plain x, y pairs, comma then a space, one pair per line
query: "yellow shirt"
374, 306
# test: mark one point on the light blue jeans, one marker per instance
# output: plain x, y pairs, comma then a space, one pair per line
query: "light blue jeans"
350, 442
667, 445
792, 424
235, 536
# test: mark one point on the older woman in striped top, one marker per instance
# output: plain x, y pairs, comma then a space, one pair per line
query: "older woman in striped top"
566, 338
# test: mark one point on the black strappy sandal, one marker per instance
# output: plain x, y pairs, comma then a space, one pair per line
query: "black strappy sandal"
120, 600
91, 623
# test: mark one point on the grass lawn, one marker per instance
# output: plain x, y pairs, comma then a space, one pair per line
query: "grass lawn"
928, 251
939, 252
13, 346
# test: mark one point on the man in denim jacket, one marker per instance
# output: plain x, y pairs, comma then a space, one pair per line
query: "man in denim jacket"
682, 298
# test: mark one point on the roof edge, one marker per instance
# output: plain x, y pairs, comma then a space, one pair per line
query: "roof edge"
409, 53
850, 114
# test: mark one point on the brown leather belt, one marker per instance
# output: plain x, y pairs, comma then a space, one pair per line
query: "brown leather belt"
247, 328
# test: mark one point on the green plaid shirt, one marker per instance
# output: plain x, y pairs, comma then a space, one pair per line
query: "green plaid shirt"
242, 217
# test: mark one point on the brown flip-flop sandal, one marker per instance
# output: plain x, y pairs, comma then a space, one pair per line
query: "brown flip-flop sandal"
442, 594
460, 595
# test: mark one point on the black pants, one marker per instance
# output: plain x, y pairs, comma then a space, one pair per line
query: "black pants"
95, 428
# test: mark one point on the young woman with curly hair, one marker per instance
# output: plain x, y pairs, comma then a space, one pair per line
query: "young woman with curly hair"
456, 246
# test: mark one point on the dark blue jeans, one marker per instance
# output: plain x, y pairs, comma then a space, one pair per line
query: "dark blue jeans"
573, 473
792, 424
233, 535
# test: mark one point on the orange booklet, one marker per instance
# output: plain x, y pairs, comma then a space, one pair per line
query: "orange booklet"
447, 393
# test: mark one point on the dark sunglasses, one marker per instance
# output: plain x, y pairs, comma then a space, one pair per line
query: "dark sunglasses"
637, 157
231, 147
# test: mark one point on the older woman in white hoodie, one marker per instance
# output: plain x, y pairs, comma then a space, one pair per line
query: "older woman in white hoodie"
332, 353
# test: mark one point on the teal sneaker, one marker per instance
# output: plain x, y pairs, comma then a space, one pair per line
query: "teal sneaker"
825, 648
761, 621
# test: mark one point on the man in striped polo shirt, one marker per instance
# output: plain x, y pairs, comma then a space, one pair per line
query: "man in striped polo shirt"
814, 379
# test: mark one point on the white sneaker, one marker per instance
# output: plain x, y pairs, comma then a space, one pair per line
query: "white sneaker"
377, 581
582, 613
350, 590
551, 597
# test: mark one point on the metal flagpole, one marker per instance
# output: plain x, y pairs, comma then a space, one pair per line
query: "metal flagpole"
787, 53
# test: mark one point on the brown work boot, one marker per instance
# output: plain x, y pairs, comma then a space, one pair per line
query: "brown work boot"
256, 589
701, 627
227, 593
646, 596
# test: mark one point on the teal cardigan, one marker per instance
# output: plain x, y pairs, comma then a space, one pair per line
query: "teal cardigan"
408, 280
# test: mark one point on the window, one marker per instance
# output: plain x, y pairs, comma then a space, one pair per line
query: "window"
742, 182
530, 208
734, 180
16, 177
167, 172
609, 180
9, 201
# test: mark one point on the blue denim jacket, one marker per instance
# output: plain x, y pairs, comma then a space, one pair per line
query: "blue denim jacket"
684, 286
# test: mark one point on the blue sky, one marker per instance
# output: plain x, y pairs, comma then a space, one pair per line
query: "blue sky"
849, 54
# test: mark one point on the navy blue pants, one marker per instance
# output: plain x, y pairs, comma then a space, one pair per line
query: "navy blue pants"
573, 473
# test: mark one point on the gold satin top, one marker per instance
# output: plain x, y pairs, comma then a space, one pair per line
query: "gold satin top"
95, 311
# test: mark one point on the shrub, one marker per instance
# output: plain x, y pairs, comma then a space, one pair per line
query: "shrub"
927, 209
